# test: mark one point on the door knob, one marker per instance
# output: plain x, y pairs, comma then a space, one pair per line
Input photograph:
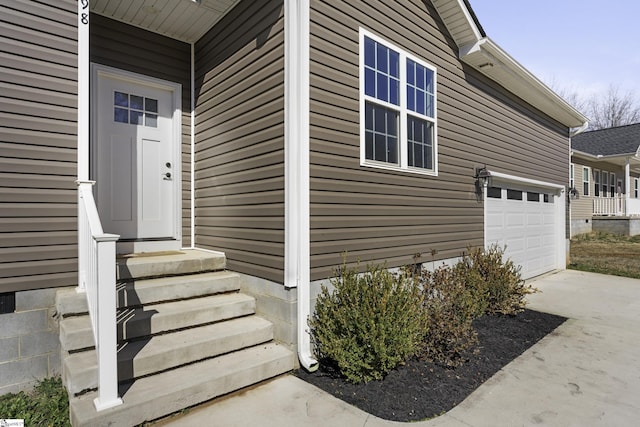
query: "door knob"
167, 175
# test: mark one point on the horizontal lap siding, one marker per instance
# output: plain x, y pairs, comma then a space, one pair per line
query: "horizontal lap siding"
239, 158
122, 46
38, 102
386, 215
582, 207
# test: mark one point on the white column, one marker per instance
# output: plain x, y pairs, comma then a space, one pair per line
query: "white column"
83, 90
627, 186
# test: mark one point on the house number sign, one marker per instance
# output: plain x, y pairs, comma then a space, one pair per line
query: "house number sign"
84, 16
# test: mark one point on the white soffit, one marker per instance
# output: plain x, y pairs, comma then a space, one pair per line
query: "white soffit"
184, 20
488, 58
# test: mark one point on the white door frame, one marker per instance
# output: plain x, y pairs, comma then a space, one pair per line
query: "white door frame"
97, 71
560, 208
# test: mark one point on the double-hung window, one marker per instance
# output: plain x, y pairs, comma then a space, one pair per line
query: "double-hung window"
605, 183
398, 108
635, 187
612, 184
585, 181
596, 183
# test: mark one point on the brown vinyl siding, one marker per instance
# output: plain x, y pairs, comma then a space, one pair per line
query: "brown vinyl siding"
38, 102
392, 215
123, 46
240, 139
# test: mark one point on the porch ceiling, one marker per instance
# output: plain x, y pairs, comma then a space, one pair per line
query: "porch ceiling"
185, 20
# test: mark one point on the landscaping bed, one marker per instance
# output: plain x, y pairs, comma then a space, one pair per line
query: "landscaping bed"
420, 389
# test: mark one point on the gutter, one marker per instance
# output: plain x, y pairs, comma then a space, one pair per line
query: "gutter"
297, 179
579, 130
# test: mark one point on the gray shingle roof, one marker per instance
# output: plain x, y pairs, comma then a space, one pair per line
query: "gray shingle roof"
609, 142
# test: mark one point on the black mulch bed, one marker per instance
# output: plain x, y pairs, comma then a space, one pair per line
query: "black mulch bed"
420, 389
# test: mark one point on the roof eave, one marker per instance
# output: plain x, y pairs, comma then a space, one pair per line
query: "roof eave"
482, 54
491, 60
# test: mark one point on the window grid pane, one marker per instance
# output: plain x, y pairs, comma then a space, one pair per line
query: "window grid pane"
381, 134
420, 94
382, 72
135, 110
420, 143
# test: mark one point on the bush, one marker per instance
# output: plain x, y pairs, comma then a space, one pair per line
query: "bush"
500, 281
370, 323
450, 306
46, 405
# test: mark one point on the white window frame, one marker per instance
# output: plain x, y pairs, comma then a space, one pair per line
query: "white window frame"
403, 156
604, 188
586, 173
636, 188
596, 183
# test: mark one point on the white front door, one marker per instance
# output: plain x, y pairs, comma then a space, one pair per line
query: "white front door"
134, 150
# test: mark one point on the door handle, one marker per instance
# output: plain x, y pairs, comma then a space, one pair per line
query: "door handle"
166, 176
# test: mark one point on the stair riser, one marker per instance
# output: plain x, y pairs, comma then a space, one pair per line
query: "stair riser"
153, 291
163, 394
79, 378
141, 323
138, 268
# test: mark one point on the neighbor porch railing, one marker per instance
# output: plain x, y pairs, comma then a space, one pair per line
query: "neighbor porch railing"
613, 206
97, 277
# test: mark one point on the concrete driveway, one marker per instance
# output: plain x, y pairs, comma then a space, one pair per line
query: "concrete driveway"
586, 373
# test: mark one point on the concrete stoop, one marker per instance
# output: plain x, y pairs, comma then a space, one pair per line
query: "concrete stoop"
185, 335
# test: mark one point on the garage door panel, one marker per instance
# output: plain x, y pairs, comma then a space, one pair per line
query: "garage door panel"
527, 228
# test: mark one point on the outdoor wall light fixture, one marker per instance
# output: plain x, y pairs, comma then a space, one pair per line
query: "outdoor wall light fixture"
573, 194
483, 175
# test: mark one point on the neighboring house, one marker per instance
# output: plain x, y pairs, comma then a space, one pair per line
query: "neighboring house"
605, 173
278, 133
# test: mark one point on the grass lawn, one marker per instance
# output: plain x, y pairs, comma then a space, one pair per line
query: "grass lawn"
607, 254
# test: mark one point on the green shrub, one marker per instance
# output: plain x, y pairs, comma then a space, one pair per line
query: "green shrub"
370, 323
46, 405
450, 307
500, 281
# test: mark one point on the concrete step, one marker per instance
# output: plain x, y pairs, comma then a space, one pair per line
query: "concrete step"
76, 333
159, 395
158, 264
163, 352
151, 291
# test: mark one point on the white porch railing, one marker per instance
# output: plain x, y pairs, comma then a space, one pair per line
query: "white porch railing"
613, 206
97, 277
633, 207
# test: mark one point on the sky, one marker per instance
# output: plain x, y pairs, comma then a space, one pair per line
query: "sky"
579, 46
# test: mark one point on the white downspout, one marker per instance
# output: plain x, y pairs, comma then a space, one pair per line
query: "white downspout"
296, 120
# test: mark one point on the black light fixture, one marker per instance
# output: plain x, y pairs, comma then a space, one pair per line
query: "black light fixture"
573, 194
483, 175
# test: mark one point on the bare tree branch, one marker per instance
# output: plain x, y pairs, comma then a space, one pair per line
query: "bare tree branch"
613, 109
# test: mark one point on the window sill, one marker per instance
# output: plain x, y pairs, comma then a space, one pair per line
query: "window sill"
389, 167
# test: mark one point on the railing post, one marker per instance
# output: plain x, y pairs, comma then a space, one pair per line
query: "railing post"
84, 235
106, 343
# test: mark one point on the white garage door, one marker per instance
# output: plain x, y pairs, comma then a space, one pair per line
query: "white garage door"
527, 223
